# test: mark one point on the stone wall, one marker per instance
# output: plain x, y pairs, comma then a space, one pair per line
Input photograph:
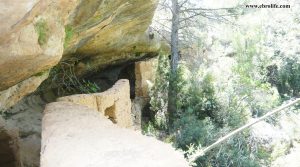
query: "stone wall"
75, 135
114, 103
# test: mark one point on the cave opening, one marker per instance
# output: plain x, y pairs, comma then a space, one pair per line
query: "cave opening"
109, 76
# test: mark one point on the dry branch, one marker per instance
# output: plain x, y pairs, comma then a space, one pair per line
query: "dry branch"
202, 152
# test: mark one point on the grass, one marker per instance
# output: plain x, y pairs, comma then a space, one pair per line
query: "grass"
42, 29
69, 34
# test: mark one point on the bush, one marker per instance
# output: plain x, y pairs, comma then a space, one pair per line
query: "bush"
288, 79
201, 97
159, 93
63, 79
191, 130
236, 152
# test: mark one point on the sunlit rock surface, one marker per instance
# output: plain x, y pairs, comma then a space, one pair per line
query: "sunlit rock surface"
94, 34
77, 136
113, 103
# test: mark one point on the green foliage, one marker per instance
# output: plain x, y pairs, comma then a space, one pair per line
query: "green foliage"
201, 119
181, 87
191, 130
235, 153
42, 29
88, 87
63, 79
149, 129
159, 93
248, 83
201, 97
69, 33
288, 79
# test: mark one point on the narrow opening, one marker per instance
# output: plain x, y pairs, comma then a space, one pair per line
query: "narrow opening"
128, 72
109, 76
111, 113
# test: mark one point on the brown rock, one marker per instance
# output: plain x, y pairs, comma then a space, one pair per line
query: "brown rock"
96, 33
32, 44
12, 95
144, 72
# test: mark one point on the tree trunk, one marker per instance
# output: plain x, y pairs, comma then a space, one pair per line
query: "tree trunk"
174, 36
172, 94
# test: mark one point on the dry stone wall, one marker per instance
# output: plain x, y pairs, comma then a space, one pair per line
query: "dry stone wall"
75, 135
114, 103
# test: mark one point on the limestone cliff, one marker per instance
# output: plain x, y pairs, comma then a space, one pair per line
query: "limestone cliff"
36, 34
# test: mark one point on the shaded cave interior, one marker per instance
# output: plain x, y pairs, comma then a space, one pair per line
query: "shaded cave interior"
26, 115
9, 146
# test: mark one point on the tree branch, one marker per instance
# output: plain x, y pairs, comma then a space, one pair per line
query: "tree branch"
221, 140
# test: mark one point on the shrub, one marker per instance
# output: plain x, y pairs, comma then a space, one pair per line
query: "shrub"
201, 97
191, 130
63, 79
236, 152
159, 93
288, 79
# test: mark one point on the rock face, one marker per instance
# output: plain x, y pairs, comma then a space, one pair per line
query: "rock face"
8, 146
93, 33
31, 43
114, 103
144, 73
77, 136
26, 116
104, 32
31, 39
12, 95
144, 76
